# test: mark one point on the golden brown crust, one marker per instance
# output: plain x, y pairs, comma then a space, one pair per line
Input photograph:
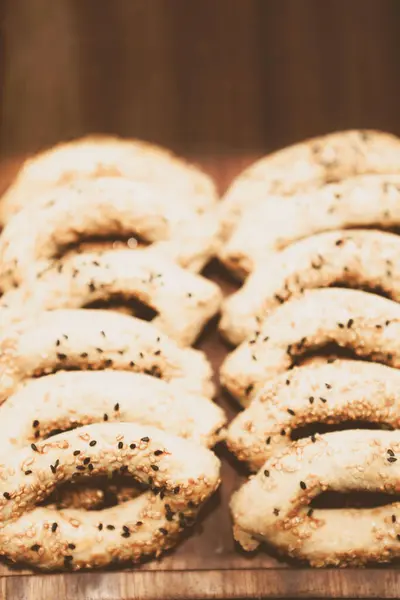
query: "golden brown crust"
365, 323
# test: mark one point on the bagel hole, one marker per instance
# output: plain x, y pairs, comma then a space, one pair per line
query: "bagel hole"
100, 243
357, 499
95, 493
315, 428
131, 306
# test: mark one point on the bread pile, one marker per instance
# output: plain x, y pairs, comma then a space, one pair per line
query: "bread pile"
301, 225
88, 393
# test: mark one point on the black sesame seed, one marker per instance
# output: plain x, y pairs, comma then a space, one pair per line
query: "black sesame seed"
311, 399
163, 531
392, 459
125, 534
90, 467
76, 452
268, 440
303, 485
276, 511
34, 448
35, 547
338, 242
266, 338
390, 451
80, 467
86, 460
340, 325
291, 412
105, 417
283, 432
120, 445
145, 439
177, 489
393, 518
322, 399
126, 528
53, 468
158, 452
398, 537
92, 443
249, 389
68, 559
84, 355
157, 353
71, 546
108, 362
266, 473
310, 512
328, 386
154, 467
35, 423
6, 495
131, 364
99, 350
37, 434
313, 439
103, 334
28, 472
61, 356
110, 527
350, 323
116, 406
132, 446
54, 527
58, 342
139, 523
287, 381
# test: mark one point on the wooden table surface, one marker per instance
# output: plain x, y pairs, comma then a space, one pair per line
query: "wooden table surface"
207, 564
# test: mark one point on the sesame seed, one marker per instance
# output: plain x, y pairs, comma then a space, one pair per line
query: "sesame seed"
276, 511
131, 364
177, 489
266, 473
393, 518
54, 527
61, 356
90, 467
100, 526
303, 485
125, 528
154, 467
322, 399
86, 460
132, 446
80, 467
34, 448
283, 432
28, 472
116, 406
58, 342
390, 451
313, 439
291, 412
108, 362
84, 355
105, 417
310, 512
76, 452
92, 443
350, 323
145, 439
139, 523
120, 445
163, 530
99, 350
328, 386
287, 382
126, 534
392, 459
158, 452
268, 440
311, 399
71, 546
35, 423
35, 547
6, 495
110, 527
103, 334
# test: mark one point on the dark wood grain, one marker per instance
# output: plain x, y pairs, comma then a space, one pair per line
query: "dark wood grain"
198, 76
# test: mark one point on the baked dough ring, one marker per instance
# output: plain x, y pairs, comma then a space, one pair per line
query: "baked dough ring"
70, 399
105, 156
105, 207
182, 476
345, 390
365, 323
95, 340
311, 164
356, 258
273, 506
369, 201
184, 301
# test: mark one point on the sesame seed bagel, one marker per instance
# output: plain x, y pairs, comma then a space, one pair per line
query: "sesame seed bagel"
181, 474
92, 157
184, 301
96, 340
71, 399
104, 207
267, 227
345, 390
356, 258
365, 323
273, 506
308, 165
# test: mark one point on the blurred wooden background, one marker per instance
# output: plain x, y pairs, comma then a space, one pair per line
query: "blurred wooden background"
201, 76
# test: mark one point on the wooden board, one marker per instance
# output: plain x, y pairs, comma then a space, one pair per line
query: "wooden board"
207, 564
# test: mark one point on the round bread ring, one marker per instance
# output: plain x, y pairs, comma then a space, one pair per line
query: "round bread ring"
184, 301
369, 201
69, 399
95, 340
365, 323
273, 506
356, 258
107, 208
104, 156
182, 476
345, 390
311, 164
